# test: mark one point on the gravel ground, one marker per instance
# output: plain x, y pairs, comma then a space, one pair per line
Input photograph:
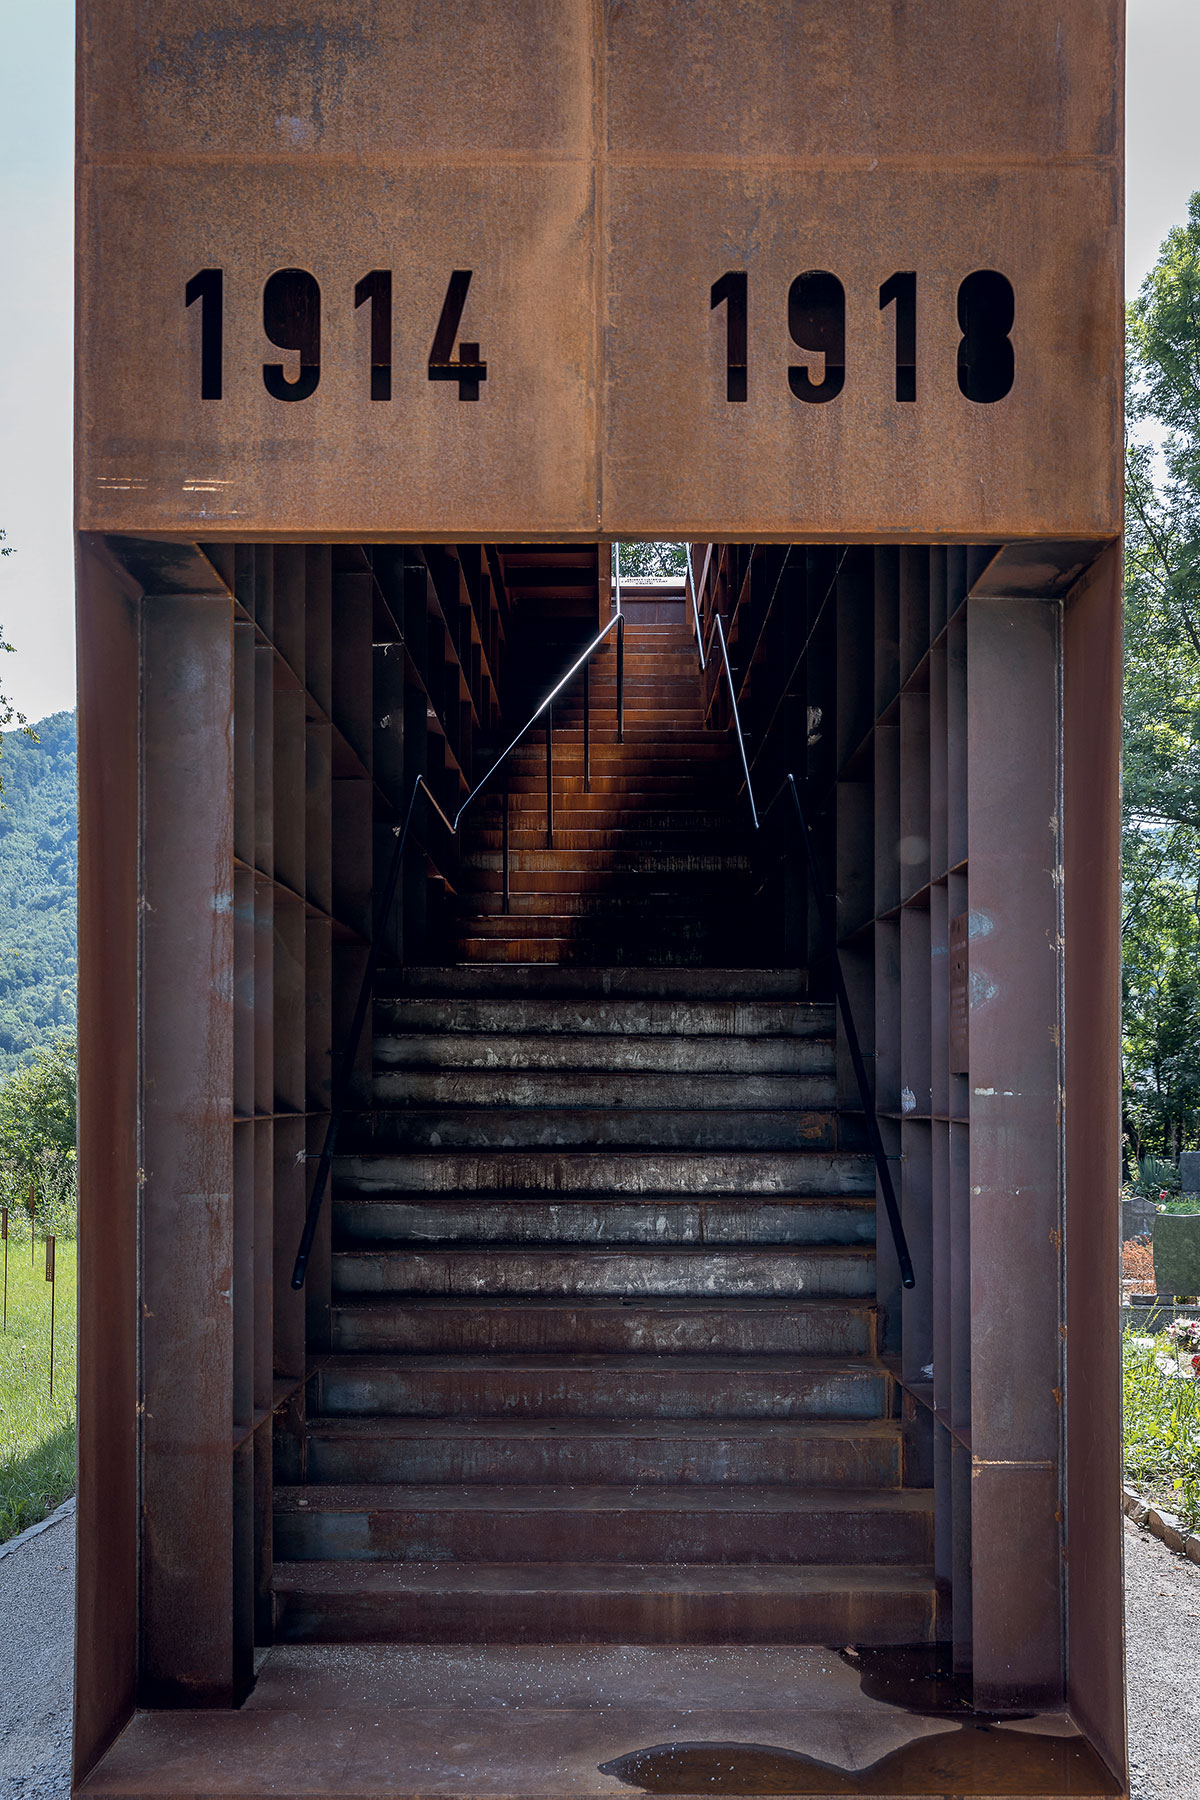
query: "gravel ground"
1162, 1654
1162, 1618
37, 1586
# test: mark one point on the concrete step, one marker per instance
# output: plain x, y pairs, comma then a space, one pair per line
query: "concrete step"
591, 1088
708, 1525
810, 1453
737, 987
813, 1271
572, 1127
638, 1173
613, 1007
598, 1327
601, 1387
389, 1602
543, 1219
644, 1054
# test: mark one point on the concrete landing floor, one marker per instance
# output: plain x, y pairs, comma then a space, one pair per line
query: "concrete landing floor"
541, 1721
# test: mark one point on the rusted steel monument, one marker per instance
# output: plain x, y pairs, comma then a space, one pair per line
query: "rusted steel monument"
598, 1101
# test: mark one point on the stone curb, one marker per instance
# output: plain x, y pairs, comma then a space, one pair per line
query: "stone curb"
31, 1531
1159, 1522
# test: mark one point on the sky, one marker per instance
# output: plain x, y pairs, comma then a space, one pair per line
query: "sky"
36, 127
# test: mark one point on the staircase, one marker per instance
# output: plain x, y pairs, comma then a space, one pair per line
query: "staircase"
648, 865
604, 1362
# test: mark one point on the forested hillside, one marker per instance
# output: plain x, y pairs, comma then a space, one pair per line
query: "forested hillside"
37, 888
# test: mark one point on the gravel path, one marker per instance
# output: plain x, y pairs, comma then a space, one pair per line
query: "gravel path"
37, 1589
1162, 1622
1162, 1655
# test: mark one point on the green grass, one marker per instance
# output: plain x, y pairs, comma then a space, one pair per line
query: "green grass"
37, 1434
1161, 1428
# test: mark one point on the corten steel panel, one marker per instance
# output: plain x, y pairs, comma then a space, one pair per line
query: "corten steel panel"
598, 166
863, 465
458, 78
1014, 887
777, 78
338, 463
1092, 928
107, 1582
186, 994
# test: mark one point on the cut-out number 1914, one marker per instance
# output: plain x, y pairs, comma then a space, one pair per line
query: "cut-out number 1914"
291, 317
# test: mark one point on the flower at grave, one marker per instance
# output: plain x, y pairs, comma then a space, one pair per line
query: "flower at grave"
1184, 1333
1196, 1364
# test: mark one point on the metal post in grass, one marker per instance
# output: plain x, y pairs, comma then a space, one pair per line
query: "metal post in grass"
32, 1229
50, 1279
4, 1236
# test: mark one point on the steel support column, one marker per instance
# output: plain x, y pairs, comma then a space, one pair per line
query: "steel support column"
1092, 1075
107, 1578
1015, 988
188, 1653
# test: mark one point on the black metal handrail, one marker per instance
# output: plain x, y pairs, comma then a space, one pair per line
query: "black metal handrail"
829, 931
341, 1093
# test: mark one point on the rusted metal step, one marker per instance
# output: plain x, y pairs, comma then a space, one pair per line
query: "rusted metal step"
671, 923
628, 1088
649, 1219
713, 1525
392, 1602
613, 868
592, 1171
811, 1270
810, 1453
599, 812
602, 1387
659, 901
613, 1325
639, 1003
642, 1054
652, 783
568, 1127
737, 988
597, 836
557, 950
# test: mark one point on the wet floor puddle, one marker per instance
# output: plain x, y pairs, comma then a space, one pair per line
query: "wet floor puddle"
983, 1756
976, 1759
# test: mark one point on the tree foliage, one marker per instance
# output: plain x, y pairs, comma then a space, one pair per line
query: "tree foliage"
37, 1138
1161, 923
37, 890
649, 562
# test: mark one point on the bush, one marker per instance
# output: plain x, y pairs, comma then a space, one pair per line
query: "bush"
1155, 1177
1162, 1428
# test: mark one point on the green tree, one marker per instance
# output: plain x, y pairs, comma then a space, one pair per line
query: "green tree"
649, 562
1161, 924
38, 1137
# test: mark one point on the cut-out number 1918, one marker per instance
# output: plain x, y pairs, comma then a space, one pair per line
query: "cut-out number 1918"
816, 315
